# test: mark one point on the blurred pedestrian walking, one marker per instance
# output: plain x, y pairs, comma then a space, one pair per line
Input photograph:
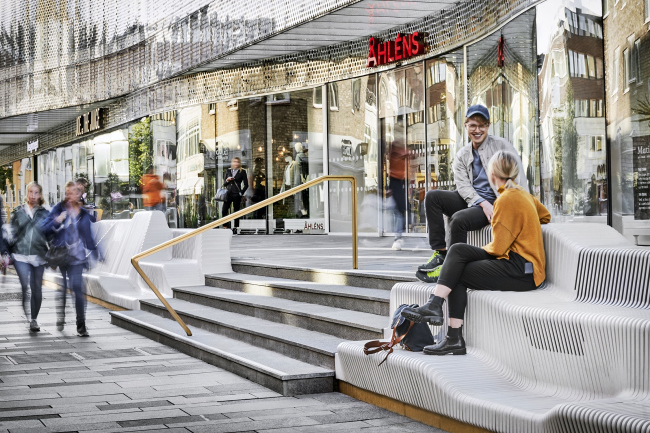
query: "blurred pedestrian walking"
152, 189
397, 158
28, 250
71, 242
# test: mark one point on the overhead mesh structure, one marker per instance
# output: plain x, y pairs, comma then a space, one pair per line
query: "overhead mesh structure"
56, 54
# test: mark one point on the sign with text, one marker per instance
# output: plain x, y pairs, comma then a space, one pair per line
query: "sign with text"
32, 146
402, 48
641, 177
89, 122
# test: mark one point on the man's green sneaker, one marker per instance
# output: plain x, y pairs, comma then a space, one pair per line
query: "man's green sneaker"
436, 260
430, 276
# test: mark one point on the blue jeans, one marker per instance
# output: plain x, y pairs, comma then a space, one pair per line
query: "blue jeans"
73, 280
31, 277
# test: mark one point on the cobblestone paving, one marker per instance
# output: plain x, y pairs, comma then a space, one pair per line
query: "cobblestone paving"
116, 380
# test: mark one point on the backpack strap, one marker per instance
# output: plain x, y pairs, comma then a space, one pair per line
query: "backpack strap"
385, 346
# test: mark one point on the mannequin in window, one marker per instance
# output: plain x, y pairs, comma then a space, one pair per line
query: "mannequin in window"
300, 176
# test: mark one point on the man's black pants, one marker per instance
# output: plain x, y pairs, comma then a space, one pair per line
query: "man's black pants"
467, 266
462, 219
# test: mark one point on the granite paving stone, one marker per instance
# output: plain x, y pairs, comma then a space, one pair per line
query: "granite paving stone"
118, 381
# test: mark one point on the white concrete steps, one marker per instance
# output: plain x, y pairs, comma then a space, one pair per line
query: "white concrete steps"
305, 345
278, 372
346, 324
373, 301
357, 278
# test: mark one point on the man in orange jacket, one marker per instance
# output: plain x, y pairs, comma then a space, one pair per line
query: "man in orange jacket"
152, 191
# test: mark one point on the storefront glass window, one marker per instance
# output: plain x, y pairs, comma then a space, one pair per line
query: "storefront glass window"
352, 137
445, 117
295, 131
502, 75
401, 112
572, 127
241, 133
190, 199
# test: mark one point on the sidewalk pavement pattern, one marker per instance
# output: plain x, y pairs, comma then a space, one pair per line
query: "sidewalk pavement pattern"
117, 380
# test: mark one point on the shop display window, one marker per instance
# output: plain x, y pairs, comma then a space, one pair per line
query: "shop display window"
352, 138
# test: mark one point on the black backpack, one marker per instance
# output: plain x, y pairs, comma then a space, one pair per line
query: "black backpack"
410, 335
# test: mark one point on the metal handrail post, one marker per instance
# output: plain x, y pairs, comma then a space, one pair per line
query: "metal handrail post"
135, 260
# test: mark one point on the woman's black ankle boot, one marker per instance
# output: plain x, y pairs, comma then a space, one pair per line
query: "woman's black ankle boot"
454, 344
430, 312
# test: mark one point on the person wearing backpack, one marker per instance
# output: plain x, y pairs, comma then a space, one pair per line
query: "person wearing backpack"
236, 184
513, 261
29, 249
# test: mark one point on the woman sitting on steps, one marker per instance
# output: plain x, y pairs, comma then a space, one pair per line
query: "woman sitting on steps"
513, 261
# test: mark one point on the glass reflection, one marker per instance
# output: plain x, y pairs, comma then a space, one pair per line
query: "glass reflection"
572, 126
352, 135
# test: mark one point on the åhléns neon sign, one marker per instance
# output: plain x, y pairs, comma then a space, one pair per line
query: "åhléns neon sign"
403, 47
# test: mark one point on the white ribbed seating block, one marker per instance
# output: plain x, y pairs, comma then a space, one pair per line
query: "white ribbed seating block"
115, 280
572, 356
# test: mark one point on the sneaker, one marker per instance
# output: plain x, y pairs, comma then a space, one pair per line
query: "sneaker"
437, 259
33, 326
81, 330
59, 325
429, 276
397, 245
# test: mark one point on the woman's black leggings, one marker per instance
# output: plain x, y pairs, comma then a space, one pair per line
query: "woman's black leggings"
470, 267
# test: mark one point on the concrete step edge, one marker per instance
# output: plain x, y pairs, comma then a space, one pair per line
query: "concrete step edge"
192, 341
252, 303
284, 285
181, 309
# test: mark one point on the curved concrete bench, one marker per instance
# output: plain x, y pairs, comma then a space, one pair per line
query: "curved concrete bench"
114, 279
571, 356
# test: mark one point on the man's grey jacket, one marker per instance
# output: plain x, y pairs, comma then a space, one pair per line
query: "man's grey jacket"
465, 159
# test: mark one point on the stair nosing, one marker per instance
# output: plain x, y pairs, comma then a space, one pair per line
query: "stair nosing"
301, 289
155, 303
257, 366
356, 273
187, 290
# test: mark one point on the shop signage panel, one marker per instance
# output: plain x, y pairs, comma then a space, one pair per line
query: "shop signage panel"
402, 48
641, 177
89, 122
32, 146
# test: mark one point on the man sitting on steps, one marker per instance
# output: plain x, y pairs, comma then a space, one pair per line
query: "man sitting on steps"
470, 206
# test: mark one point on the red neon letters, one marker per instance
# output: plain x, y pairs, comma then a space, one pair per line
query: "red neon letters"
403, 47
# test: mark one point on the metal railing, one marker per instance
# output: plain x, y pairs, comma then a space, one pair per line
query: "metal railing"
135, 261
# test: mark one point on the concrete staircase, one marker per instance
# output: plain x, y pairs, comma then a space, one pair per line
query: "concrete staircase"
277, 326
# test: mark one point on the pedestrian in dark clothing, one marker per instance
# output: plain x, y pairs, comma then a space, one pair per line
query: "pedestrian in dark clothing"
29, 249
69, 227
236, 184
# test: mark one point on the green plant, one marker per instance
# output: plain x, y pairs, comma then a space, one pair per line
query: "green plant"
642, 108
6, 177
140, 150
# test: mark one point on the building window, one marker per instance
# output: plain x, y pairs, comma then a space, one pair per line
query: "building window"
617, 56
333, 96
582, 65
599, 68
647, 9
591, 66
606, 7
627, 77
317, 97
572, 64
637, 60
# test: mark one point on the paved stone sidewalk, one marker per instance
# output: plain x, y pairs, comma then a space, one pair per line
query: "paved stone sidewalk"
116, 380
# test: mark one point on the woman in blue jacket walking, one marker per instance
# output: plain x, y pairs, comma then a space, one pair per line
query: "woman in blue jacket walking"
68, 226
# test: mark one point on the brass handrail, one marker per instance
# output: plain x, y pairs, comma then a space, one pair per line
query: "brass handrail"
135, 260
